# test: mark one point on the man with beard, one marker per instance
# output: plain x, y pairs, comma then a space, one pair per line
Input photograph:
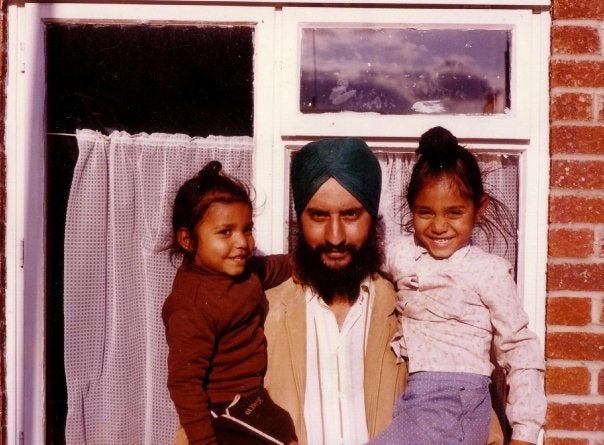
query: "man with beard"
329, 327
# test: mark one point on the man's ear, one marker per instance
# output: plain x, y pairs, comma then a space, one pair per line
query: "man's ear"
482, 207
184, 239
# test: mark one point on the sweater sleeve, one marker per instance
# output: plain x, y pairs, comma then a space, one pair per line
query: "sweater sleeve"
517, 350
190, 335
273, 269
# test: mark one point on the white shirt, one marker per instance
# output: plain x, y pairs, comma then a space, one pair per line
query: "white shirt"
334, 405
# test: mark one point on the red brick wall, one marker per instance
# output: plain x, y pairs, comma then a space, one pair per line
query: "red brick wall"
575, 272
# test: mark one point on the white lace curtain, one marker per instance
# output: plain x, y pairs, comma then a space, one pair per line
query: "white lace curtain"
117, 275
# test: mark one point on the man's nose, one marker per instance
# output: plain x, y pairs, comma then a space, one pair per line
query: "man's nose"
334, 232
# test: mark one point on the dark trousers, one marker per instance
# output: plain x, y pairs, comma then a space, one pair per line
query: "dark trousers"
252, 420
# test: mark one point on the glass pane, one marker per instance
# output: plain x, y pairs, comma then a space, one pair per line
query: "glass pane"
405, 70
196, 80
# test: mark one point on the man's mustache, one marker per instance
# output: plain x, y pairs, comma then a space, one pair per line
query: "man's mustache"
333, 248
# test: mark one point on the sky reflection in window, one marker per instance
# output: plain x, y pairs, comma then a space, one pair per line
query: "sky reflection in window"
405, 71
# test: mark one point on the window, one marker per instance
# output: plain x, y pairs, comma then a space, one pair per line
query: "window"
190, 70
470, 65
196, 80
405, 70
301, 92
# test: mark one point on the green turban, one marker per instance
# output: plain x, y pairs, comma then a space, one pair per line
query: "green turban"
348, 160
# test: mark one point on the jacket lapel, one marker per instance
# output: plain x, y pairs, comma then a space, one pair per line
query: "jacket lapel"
295, 319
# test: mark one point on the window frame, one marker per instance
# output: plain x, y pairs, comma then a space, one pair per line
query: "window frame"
25, 142
275, 133
515, 125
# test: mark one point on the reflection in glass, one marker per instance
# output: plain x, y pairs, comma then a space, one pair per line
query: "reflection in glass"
405, 71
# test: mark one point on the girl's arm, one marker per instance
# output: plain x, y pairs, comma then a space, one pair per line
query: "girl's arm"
399, 262
517, 350
272, 269
190, 342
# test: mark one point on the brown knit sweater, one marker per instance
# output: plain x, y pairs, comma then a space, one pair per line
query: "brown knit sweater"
215, 335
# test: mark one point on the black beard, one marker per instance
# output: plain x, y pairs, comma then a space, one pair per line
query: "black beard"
342, 282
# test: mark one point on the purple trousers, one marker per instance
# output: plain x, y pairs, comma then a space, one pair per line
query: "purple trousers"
440, 408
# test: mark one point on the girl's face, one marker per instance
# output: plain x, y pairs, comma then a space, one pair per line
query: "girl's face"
225, 241
443, 219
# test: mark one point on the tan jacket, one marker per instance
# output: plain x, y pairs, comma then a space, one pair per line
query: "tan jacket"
285, 330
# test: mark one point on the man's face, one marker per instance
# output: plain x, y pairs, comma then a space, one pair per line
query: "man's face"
334, 224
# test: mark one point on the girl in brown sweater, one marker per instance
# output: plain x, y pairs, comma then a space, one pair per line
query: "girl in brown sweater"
214, 317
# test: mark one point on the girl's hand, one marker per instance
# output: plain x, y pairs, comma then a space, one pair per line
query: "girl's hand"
520, 442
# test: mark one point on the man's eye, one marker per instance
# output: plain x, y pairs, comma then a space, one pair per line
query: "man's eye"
318, 216
351, 214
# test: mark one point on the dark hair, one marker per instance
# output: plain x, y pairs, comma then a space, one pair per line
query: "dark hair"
440, 155
196, 195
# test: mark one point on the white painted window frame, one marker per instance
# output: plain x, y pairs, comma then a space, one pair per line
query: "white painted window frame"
26, 174
25, 140
515, 125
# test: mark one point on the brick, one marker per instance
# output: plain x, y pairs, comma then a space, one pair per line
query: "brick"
577, 9
574, 139
577, 277
600, 110
575, 40
575, 417
573, 381
571, 243
569, 209
585, 175
565, 73
568, 311
601, 382
571, 106
564, 441
574, 346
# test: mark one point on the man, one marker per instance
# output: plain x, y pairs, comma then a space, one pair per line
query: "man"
329, 327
